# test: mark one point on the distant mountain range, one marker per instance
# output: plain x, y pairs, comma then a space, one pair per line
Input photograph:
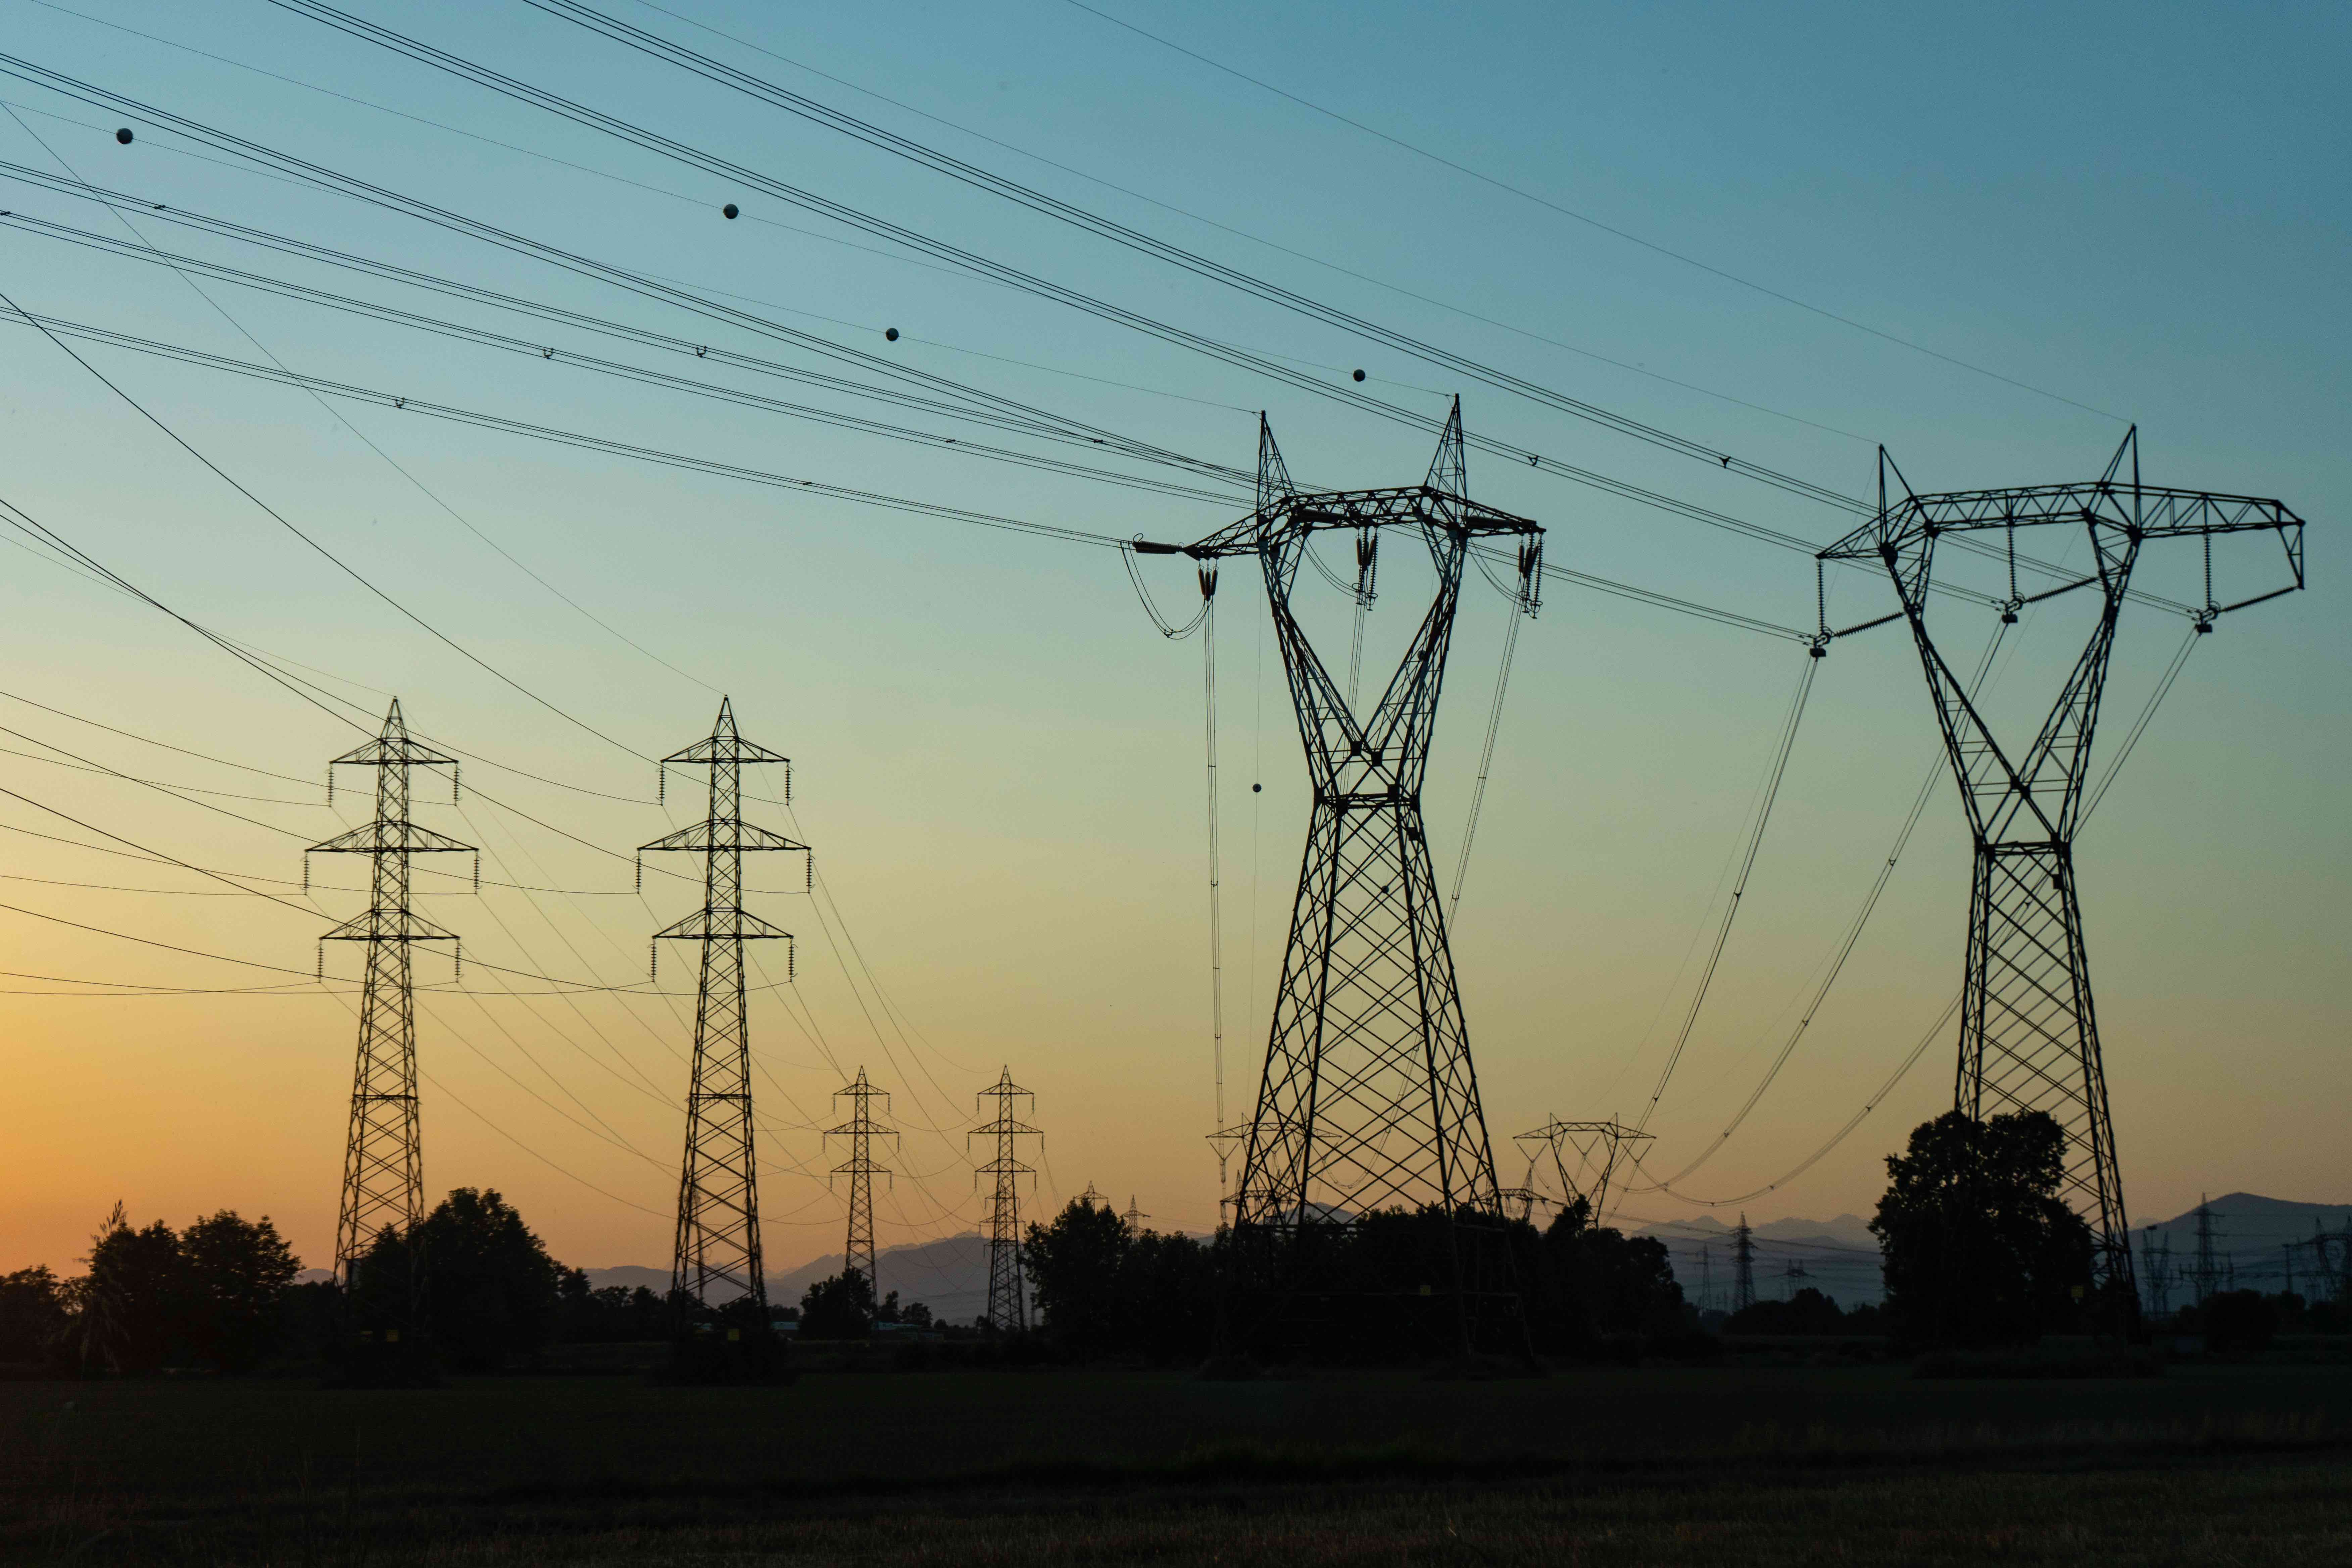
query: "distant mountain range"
950, 1276
1837, 1257
2249, 1236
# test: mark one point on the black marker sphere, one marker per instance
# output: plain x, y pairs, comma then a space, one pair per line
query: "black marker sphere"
1360, 376
891, 335
124, 136
730, 210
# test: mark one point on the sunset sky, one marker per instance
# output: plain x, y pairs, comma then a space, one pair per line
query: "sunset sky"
2081, 220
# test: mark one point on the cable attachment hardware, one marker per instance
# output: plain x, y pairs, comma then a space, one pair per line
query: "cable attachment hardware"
1368, 567
1531, 576
478, 871
1208, 576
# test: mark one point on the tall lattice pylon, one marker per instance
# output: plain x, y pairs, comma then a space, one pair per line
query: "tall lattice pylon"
384, 1157
716, 1258
861, 1129
1369, 1099
1008, 1296
2029, 1034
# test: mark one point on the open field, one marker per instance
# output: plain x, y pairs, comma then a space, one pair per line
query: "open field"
1851, 1464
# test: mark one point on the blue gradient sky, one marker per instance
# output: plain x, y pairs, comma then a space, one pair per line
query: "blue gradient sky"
2141, 209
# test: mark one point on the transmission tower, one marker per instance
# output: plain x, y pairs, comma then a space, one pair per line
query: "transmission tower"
2029, 1036
1091, 1197
1705, 1278
1369, 1099
2207, 1276
2157, 1266
1600, 1147
861, 1129
384, 1157
1008, 1300
1743, 1266
717, 1259
1134, 1218
1790, 1278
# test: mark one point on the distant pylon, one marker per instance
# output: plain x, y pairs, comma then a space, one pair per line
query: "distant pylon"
1600, 1147
861, 1129
1008, 1300
1743, 1266
716, 1258
2207, 1277
1134, 1218
1790, 1275
1091, 1197
384, 1157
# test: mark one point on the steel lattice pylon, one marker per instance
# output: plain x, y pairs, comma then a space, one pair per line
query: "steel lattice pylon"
1369, 1099
2029, 1034
1008, 1297
861, 1129
716, 1258
384, 1158
1600, 1147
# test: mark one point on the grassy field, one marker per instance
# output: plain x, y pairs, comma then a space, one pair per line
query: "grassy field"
1733, 1464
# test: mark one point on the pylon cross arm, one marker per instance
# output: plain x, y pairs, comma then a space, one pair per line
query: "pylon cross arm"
383, 837
725, 832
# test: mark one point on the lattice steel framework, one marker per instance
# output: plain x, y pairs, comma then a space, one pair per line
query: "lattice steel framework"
1008, 1295
716, 1257
384, 1156
2029, 1034
1600, 1147
1369, 1099
861, 1129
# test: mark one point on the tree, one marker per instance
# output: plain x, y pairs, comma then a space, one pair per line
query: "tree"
129, 1305
1075, 1262
1595, 1280
1979, 1248
486, 1288
33, 1314
841, 1308
237, 1276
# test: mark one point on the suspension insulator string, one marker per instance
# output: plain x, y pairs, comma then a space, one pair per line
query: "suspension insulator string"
1216, 895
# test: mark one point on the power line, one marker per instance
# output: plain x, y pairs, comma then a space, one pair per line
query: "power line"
1134, 240
1244, 234
1593, 222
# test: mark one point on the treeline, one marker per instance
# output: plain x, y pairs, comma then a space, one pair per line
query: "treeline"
1382, 1290
223, 1295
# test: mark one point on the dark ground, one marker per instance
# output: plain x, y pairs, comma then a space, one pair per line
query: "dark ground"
1800, 1464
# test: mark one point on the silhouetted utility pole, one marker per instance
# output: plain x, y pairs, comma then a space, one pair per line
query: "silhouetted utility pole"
1705, 1278
2286, 1253
716, 1258
2207, 1276
1008, 1297
1743, 1266
861, 1129
1369, 1099
2029, 1035
384, 1156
